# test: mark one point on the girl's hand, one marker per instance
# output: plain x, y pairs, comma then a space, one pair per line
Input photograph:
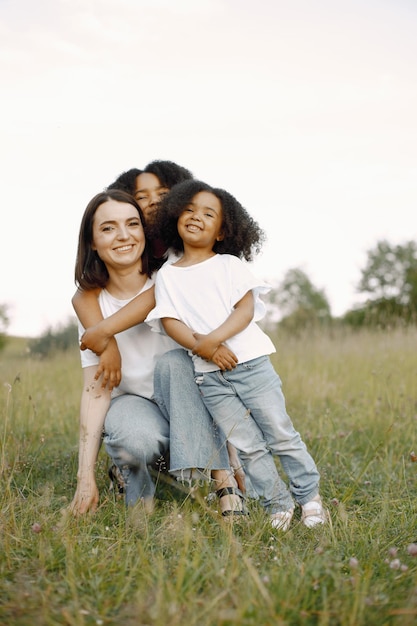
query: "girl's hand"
110, 366
86, 498
224, 358
204, 347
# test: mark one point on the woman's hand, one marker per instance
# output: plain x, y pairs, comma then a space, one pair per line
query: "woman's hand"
85, 498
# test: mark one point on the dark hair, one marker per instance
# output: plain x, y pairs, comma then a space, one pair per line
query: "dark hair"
168, 172
90, 271
242, 235
126, 181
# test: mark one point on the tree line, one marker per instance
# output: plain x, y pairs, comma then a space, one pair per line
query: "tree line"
388, 280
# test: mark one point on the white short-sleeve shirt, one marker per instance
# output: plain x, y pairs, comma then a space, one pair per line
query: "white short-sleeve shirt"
139, 347
203, 296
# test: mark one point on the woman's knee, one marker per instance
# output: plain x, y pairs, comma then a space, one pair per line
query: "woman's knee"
173, 361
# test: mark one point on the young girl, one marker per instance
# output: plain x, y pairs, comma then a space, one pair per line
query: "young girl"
208, 301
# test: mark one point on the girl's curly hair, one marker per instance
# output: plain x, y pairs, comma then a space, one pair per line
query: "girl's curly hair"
126, 181
168, 172
242, 235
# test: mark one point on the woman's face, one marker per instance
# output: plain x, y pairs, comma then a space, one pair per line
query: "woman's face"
118, 235
149, 193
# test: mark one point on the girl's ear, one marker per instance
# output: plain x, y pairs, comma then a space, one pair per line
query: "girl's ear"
220, 236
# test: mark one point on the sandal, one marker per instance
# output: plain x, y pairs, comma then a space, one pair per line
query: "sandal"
117, 483
226, 492
314, 513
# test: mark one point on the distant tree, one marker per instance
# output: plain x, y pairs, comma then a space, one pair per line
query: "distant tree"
299, 301
390, 280
4, 324
391, 272
59, 340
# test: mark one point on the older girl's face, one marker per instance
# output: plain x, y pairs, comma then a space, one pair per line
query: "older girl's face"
118, 235
148, 194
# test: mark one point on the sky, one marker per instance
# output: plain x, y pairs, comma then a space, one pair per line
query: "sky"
304, 110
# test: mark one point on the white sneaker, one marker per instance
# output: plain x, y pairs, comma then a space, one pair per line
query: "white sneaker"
313, 513
282, 519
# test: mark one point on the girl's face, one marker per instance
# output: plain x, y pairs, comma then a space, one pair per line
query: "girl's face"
118, 235
200, 223
149, 193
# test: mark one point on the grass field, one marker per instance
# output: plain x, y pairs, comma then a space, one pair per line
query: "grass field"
353, 397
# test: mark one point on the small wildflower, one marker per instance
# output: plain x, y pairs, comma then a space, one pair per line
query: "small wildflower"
367, 482
412, 549
404, 568
334, 501
393, 552
413, 457
353, 563
319, 550
265, 580
395, 564
36, 528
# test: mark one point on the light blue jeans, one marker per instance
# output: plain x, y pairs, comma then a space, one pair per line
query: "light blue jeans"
248, 405
139, 431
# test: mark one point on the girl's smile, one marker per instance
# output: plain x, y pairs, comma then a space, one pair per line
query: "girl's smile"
203, 217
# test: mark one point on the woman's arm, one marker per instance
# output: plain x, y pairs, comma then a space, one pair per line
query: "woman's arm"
95, 402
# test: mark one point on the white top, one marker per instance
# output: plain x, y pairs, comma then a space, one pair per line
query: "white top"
203, 296
139, 347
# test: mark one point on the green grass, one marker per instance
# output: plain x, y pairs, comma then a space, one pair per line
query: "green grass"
353, 397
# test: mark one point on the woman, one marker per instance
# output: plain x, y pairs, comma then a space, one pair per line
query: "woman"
113, 259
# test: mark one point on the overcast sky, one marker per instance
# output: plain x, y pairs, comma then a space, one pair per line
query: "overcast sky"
305, 110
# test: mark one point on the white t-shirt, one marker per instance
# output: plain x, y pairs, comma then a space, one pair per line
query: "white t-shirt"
203, 296
139, 347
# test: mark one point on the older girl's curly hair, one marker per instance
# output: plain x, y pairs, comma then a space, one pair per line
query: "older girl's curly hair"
242, 235
168, 172
126, 181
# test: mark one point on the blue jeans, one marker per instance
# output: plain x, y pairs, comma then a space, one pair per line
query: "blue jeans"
139, 431
136, 436
194, 440
248, 405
